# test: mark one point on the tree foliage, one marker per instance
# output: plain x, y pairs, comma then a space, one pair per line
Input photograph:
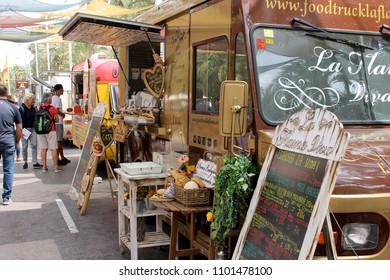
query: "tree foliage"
58, 53
56, 56
16, 73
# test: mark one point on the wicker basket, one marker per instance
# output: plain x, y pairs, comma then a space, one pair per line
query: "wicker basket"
194, 197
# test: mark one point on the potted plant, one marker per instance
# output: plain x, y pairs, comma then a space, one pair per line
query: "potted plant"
148, 203
233, 185
141, 194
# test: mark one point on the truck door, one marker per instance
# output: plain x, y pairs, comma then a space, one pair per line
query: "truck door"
209, 41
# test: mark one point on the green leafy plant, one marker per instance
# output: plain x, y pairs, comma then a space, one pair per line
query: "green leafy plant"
233, 184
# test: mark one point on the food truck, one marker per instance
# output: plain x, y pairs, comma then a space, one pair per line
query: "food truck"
95, 80
292, 55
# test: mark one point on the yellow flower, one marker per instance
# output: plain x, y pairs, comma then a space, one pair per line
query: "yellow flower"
150, 194
209, 216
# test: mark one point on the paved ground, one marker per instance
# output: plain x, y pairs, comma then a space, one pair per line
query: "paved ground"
33, 227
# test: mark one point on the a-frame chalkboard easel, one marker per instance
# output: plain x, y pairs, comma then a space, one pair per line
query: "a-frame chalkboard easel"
88, 162
290, 203
84, 161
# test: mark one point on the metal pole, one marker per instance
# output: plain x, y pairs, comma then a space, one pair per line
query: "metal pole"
48, 56
9, 75
70, 56
36, 59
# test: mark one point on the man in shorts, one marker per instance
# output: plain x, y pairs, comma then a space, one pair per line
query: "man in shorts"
57, 103
49, 141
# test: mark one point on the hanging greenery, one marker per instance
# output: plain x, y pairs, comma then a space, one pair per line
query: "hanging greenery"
233, 184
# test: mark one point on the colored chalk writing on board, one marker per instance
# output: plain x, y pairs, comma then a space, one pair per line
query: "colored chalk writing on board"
285, 206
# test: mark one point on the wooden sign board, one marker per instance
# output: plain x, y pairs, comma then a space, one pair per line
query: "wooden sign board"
82, 166
291, 200
154, 80
206, 170
107, 134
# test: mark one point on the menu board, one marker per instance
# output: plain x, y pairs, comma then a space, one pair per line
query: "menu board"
285, 206
154, 80
291, 199
82, 166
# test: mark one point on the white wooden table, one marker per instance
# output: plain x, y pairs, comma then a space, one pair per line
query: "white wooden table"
127, 212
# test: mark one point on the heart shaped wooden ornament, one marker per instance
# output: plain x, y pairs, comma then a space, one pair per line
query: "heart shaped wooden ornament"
107, 134
154, 80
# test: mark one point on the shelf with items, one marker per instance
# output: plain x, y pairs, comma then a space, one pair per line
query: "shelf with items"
128, 218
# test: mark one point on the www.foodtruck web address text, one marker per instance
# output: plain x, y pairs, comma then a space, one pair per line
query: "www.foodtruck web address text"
363, 10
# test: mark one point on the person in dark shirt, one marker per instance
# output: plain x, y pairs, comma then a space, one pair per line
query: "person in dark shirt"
49, 141
10, 134
11, 99
27, 111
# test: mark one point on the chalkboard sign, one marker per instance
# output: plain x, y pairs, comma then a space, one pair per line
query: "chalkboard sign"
285, 206
82, 166
107, 134
291, 199
154, 80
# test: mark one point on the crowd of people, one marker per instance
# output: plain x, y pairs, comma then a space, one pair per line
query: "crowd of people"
17, 126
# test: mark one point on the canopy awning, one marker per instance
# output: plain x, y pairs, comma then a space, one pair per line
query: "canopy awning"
42, 82
59, 73
108, 31
36, 6
18, 35
11, 19
100, 7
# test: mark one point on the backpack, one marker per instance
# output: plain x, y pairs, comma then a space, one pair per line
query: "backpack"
43, 121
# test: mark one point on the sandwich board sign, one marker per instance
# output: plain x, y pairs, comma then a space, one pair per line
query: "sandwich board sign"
85, 165
291, 199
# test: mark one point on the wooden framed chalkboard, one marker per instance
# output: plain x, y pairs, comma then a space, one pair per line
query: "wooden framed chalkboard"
292, 195
82, 166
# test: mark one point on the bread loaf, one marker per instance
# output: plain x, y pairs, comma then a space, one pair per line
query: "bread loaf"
198, 182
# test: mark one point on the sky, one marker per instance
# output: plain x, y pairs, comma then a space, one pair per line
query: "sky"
18, 54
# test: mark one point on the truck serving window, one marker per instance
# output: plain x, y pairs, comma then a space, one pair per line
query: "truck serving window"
210, 71
297, 69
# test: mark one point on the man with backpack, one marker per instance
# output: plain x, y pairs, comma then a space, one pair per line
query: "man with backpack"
47, 139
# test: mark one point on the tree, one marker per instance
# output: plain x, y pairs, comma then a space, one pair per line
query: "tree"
59, 55
16, 73
59, 52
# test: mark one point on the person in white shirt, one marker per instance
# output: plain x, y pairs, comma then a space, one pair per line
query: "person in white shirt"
57, 103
